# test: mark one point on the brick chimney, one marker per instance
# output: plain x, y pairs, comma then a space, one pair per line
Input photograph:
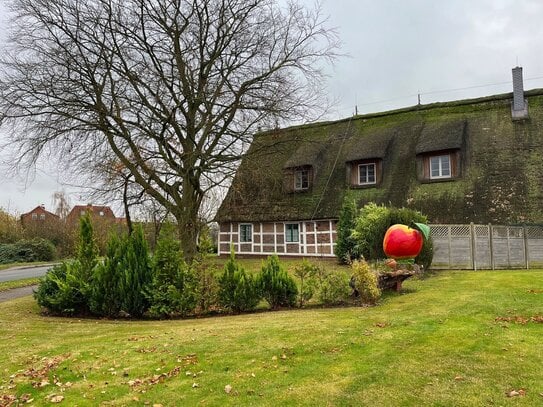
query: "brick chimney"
519, 107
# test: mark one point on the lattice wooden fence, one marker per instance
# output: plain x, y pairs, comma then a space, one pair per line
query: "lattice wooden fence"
487, 246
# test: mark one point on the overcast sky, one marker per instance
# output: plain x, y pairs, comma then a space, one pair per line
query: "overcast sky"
396, 49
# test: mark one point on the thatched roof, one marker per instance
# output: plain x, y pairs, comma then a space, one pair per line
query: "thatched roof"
440, 135
501, 166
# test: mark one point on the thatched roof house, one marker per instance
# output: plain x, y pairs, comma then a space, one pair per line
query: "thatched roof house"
477, 160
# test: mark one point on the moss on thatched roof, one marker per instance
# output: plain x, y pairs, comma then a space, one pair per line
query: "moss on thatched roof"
501, 176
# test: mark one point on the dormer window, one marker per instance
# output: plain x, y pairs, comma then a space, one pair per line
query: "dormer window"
301, 179
440, 166
367, 174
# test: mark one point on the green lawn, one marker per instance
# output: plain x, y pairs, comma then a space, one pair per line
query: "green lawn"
8, 285
436, 344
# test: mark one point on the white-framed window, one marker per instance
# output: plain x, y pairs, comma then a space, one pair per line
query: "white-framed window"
42, 216
301, 179
366, 174
245, 233
34, 216
82, 213
292, 232
101, 213
440, 166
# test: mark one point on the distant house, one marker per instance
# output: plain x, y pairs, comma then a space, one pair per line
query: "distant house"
477, 160
96, 212
38, 216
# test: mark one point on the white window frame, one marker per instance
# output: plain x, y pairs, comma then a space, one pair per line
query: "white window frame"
250, 225
34, 216
287, 235
299, 179
367, 182
42, 216
440, 166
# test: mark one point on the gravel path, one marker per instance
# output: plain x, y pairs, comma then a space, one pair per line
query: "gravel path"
16, 293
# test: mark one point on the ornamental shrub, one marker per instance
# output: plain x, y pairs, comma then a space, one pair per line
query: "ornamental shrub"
333, 287
307, 273
277, 287
238, 290
106, 292
173, 291
62, 291
365, 282
136, 277
207, 285
345, 244
120, 283
87, 250
36, 249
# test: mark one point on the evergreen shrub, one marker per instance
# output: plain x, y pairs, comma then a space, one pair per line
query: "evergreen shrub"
31, 250
277, 287
174, 288
345, 249
238, 291
62, 290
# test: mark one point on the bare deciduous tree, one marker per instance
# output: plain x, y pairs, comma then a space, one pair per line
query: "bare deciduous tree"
174, 89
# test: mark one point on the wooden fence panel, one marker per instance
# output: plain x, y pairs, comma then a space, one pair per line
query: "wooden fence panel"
487, 246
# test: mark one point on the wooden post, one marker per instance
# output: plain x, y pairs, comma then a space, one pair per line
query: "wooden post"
490, 232
473, 246
526, 250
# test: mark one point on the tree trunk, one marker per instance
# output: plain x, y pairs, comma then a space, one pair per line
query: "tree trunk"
186, 215
126, 207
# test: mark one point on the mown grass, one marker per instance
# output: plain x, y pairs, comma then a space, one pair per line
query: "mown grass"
8, 285
437, 344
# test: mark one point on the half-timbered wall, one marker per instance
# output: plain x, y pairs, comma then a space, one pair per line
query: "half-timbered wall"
315, 238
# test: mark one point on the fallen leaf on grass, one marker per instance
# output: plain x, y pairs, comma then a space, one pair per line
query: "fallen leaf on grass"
458, 378
538, 319
381, 324
516, 393
227, 389
56, 398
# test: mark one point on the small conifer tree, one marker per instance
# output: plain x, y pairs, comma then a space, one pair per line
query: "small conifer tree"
345, 244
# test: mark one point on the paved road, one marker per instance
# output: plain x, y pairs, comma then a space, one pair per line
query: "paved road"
18, 273
17, 292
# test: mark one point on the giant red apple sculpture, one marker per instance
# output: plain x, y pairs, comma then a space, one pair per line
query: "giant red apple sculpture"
402, 242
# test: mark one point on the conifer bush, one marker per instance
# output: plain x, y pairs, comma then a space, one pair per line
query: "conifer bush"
277, 287
136, 277
105, 292
173, 291
62, 291
345, 249
66, 288
238, 291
